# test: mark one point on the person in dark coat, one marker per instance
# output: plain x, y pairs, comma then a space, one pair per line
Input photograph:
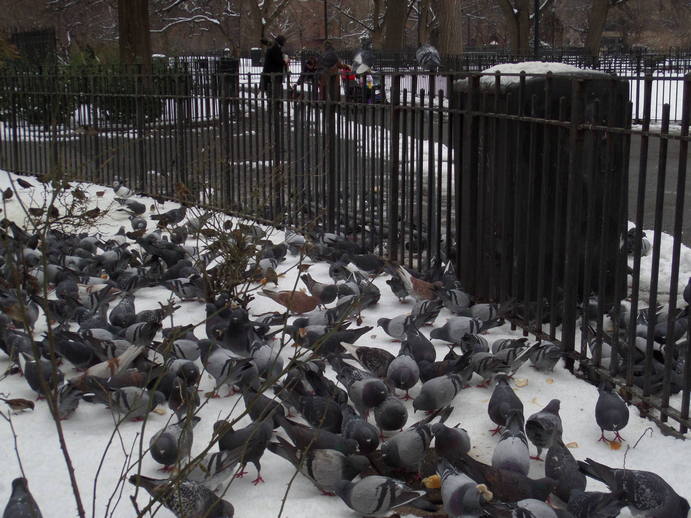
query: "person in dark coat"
274, 64
329, 66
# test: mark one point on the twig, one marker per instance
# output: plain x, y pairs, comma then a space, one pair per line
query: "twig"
8, 418
649, 429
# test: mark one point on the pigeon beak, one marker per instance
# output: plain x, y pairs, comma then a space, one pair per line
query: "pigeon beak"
302, 332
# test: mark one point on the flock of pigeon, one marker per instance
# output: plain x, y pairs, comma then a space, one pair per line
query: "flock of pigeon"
334, 409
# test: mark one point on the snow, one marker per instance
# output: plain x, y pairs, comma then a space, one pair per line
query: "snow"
88, 431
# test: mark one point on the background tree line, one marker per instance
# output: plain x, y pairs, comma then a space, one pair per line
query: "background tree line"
90, 27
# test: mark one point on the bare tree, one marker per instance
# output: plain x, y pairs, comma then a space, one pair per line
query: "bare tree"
597, 18
450, 26
518, 16
133, 29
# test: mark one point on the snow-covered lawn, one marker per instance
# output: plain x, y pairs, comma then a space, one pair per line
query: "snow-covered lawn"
88, 431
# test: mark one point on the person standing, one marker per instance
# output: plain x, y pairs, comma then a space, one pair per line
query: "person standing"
329, 66
274, 68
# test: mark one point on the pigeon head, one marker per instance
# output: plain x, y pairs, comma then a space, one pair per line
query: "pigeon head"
383, 321
543, 487
20, 485
437, 334
389, 453
553, 407
157, 398
358, 463
374, 393
514, 419
189, 372
423, 401
164, 449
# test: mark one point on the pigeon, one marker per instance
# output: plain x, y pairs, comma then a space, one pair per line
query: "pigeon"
305, 437
584, 504
325, 468
133, 402
391, 414
123, 314
455, 300
398, 288
171, 217
545, 356
611, 412
450, 441
543, 427
425, 312
562, 467
21, 503
120, 189
456, 328
131, 207
438, 392
364, 390
533, 508
318, 411
462, 497
395, 327
325, 293
643, 492
173, 443
296, 302
487, 366
186, 498
41, 375
259, 406
507, 486
407, 449
403, 372
254, 437
213, 470
417, 288
511, 452
503, 401
353, 426
687, 292
376, 494
374, 359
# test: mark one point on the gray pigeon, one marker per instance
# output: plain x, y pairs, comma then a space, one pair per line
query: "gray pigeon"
545, 356
532, 508
462, 497
487, 366
123, 315
375, 494
213, 470
503, 400
611, 412
511, 452
544, 427
395, 327
134, 402
589, 504
173, 443
403, 372
391, 414
325, 468
186, 499
21, 503
562, 467
425, 312
643, 492
456, 328
407, 449
438, 392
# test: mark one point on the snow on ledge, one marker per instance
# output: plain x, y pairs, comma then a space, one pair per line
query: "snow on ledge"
510, 72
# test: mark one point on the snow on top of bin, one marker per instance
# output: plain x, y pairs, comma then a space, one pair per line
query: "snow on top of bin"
510, 72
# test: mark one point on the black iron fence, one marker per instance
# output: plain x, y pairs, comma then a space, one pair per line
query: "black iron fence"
528, 183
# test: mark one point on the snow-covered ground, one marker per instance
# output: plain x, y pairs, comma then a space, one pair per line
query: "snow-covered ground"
88, 431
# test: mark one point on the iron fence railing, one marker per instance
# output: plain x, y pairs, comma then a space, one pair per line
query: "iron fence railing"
528, 183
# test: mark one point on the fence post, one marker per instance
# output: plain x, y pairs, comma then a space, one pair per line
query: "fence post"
330, 150
466, 185
276, 108
395, 166
139, 104
573, 226
15, 128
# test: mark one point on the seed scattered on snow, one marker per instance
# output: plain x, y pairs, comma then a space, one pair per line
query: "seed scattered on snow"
522, 382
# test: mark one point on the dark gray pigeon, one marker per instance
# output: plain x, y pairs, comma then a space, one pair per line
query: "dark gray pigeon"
562, 467
425, 312
123, 314
374, 359
589, 504
306, 437
611, 412
376, 494
543, 427
355, 427
449, 441
21, 503
438, 392
254, 437
642, 491
186, 499
172, 217
325, 468
503, 400
391, 414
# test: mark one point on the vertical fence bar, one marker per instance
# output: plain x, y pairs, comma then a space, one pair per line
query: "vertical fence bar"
572, 222
395, 166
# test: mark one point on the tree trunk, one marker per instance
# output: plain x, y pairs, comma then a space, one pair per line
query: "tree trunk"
394, 24
133, 33
450, 27
597, 17
423, 22
517, 21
